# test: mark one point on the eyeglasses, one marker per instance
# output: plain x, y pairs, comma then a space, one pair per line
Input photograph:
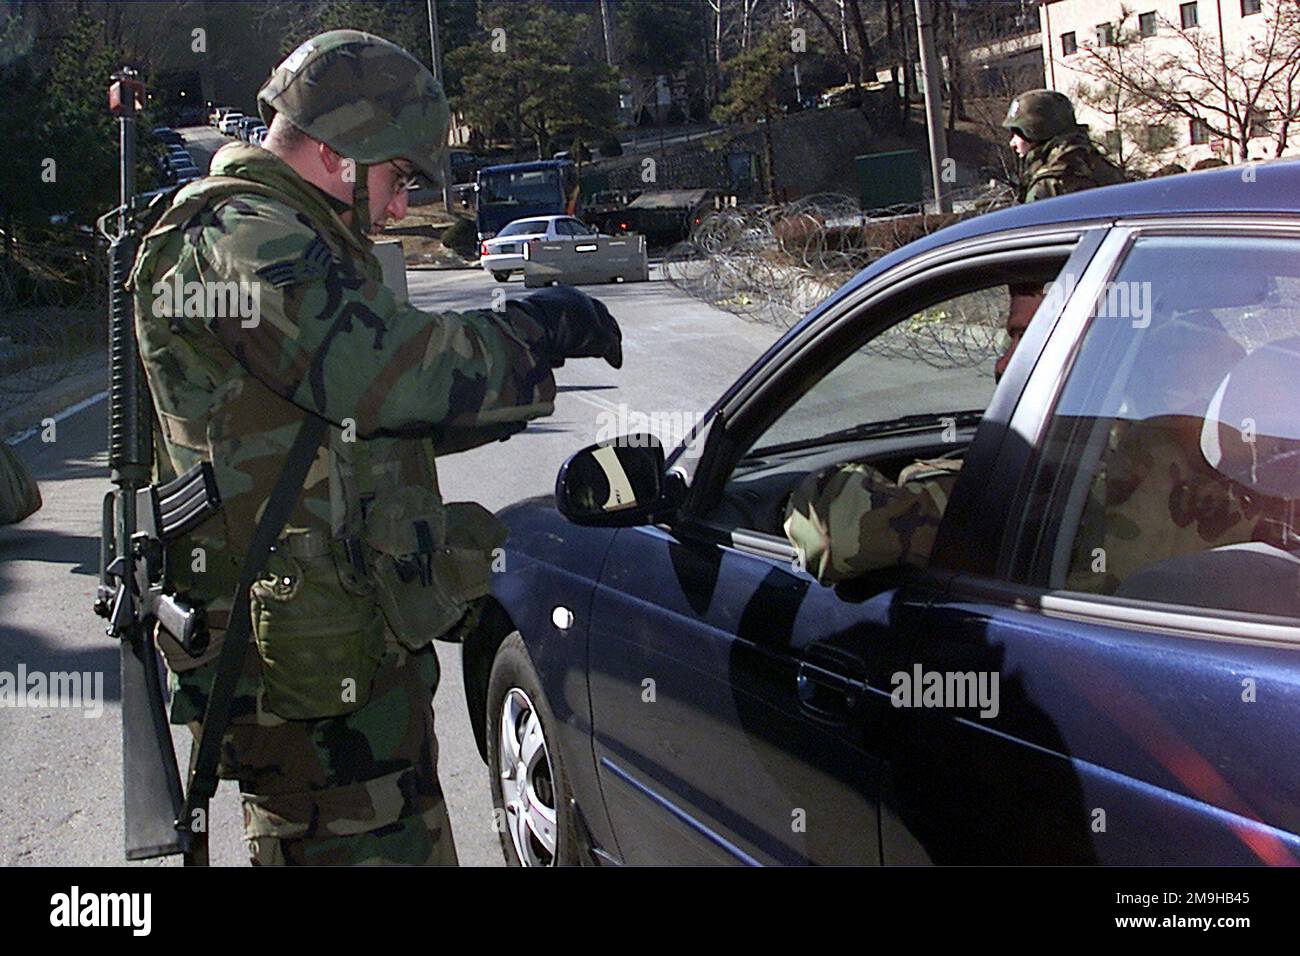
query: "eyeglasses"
408, 180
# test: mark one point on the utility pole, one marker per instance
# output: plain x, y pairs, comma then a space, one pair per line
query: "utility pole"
933, 79
798, 86
445, 170
609, 36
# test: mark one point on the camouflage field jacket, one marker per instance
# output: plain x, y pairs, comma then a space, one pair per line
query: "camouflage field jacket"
256, 306
1065, 164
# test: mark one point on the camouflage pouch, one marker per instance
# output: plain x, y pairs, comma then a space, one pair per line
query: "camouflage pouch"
429, 561
318, 637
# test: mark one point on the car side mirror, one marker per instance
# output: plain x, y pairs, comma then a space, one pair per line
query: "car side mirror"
617, 483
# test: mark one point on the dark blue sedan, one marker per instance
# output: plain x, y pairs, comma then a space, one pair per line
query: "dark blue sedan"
1097, 658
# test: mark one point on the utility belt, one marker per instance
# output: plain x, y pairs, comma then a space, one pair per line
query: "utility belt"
319, 609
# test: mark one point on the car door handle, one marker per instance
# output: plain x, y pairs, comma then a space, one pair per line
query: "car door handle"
825, 695
828, 683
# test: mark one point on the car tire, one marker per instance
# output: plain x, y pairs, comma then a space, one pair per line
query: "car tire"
531, 802
501, 276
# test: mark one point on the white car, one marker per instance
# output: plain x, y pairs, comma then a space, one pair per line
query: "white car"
504, 253
229, 122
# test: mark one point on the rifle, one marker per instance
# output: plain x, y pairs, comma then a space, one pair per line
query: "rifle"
139, 518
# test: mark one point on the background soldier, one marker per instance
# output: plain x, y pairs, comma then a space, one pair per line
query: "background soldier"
331, 736
1057, 156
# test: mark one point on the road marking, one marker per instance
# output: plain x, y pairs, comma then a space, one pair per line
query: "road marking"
603, 404
59, 416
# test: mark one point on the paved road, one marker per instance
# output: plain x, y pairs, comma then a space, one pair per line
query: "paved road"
60, 770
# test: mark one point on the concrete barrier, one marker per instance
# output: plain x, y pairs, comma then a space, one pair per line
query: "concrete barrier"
586, 261
393, 260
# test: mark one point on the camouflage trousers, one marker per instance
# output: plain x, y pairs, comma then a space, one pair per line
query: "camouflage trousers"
357, 789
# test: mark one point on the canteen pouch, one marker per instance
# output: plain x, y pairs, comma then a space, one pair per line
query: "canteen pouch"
318, 637
429, 561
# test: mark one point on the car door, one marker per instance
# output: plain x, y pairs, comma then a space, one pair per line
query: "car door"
1149, 669
737, 703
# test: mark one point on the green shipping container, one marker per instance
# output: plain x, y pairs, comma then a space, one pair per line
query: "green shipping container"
889, 179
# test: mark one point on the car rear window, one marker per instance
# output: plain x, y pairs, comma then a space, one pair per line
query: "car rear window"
524, 227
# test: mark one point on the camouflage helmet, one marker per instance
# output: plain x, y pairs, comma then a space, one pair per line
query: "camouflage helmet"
1040, 115
364, 97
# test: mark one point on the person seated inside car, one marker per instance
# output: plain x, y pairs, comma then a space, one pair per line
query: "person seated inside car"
851, 519
1154, 494
1250, 439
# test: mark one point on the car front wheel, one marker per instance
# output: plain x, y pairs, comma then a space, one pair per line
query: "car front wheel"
530, 791
501, 276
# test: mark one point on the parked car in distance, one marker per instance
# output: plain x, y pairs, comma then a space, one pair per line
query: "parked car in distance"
183, 172
504, 253
229, 123
1063, 674
257, 135
167, 135
246, 126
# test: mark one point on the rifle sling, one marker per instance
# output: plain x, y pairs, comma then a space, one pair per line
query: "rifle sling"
203, 769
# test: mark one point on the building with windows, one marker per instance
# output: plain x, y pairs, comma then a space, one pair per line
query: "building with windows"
1086, 42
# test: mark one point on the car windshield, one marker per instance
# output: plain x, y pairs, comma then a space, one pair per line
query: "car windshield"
524, 227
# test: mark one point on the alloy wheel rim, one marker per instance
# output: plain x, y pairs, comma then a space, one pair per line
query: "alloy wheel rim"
527, 781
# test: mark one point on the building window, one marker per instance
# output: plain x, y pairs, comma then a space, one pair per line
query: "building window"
1188, 13
1159, 137
1249, 7
1200, 132
1111, 142
1105, 34
1147, 24
1258, 124
1068, 44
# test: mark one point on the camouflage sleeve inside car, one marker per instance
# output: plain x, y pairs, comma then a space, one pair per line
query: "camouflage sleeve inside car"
390, 367
849, 520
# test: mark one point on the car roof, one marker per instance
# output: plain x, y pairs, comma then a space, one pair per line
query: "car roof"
537, 219
528, 167
1271, 187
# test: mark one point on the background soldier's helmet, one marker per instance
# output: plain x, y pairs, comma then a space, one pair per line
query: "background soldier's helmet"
1039, 115
364, 97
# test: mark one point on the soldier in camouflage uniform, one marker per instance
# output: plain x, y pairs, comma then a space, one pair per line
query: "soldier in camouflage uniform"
1057, 156
1155, 496
331, 735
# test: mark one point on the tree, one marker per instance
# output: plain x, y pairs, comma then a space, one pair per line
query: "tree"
405, 22
532, 69
1237, 93
61, 149
757, 85
655, 38
1133, 137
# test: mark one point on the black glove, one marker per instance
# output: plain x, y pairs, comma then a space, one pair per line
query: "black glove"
573, 325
